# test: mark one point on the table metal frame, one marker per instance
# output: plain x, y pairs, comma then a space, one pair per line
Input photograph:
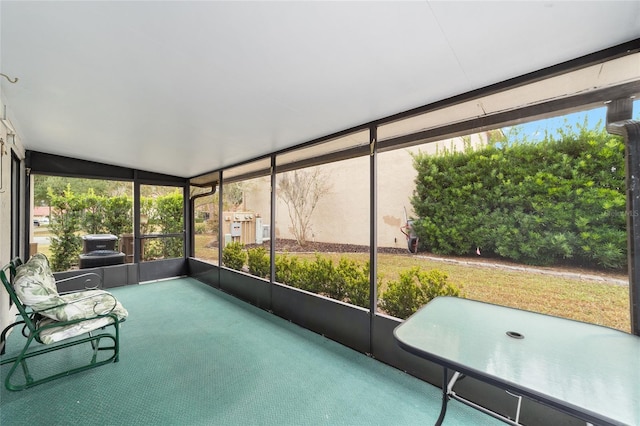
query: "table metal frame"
524, 353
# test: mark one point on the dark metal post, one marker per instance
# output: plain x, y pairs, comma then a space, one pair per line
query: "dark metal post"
618, 122
26, 214
188, 243
373, 232
272, 229
220, 221
632, 141
136, 220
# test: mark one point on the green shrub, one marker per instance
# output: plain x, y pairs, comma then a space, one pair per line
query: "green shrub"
94, 212
288, 270
169, 219
414, 289
234, 256
118, 212
151, 249
258, 260
355, 281
199, 228
321, 277
559, 200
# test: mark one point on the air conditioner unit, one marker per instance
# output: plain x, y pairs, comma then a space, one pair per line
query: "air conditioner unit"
266, 232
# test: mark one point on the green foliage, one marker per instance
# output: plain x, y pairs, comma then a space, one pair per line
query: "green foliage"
118, 214
200, 228
415, 288
147, 215
355, 280
65, 245
322, 277
234, 256
162, 214
169, 219
554, 201
57, 185
290, 270
91, 213
348, 281
258, 261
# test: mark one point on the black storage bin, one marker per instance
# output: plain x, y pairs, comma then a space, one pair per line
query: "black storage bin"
101, 258
99, 250
93, 242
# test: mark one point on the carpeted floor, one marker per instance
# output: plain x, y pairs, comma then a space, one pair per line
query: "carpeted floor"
192, 355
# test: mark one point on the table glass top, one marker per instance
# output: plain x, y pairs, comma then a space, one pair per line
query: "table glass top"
577, 365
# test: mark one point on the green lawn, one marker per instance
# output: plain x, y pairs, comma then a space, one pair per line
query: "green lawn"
581, 299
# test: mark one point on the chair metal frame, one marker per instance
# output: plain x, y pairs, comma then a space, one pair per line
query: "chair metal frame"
33, 326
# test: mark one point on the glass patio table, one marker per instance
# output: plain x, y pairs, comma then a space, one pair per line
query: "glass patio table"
588, 371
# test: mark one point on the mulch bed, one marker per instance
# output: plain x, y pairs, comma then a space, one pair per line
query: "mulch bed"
291, 246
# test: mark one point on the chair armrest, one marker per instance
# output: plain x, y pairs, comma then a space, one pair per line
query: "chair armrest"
92, 281
99, 299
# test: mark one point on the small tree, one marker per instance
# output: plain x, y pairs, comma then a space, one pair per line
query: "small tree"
93, 217
66, 216
118, 217
301, 190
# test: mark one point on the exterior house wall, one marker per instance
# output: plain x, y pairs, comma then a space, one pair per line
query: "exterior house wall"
342, 214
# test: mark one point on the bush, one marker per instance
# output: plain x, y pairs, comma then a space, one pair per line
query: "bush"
290, 270
355, 281
118, 212
169, 219
322, 277
258, 260
414, 289
234, 256
559, 200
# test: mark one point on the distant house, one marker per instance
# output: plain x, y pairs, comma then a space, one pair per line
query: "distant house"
41, 212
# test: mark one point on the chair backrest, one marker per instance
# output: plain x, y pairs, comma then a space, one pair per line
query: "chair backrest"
7, 281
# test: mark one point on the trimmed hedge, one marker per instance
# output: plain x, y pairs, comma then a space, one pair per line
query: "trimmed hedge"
94, 214
542, 203
414, 289
348, 281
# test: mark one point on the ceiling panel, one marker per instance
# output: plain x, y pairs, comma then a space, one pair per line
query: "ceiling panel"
183, 88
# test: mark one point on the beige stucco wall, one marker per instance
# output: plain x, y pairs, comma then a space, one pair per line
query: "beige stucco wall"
342, 215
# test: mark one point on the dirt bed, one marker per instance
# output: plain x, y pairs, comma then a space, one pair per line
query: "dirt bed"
291, 246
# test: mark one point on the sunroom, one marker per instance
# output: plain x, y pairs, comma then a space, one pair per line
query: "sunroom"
286, 167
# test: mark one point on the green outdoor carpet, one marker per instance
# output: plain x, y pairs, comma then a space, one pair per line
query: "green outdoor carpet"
192, 355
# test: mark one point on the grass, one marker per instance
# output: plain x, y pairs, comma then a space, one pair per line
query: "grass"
576, 298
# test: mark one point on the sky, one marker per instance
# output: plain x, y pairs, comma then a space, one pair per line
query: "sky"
535, 130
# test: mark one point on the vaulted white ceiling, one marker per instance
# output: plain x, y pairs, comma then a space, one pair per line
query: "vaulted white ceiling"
183, 88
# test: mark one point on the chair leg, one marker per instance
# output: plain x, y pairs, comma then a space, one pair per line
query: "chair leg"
3, 336
22, 358
19, 360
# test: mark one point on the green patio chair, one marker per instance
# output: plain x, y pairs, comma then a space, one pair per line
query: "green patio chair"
51, 321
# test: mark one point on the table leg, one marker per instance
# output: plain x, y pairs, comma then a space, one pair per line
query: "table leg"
445, 396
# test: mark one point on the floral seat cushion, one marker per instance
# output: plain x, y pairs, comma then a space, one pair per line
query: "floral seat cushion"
57, 334
35, 285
